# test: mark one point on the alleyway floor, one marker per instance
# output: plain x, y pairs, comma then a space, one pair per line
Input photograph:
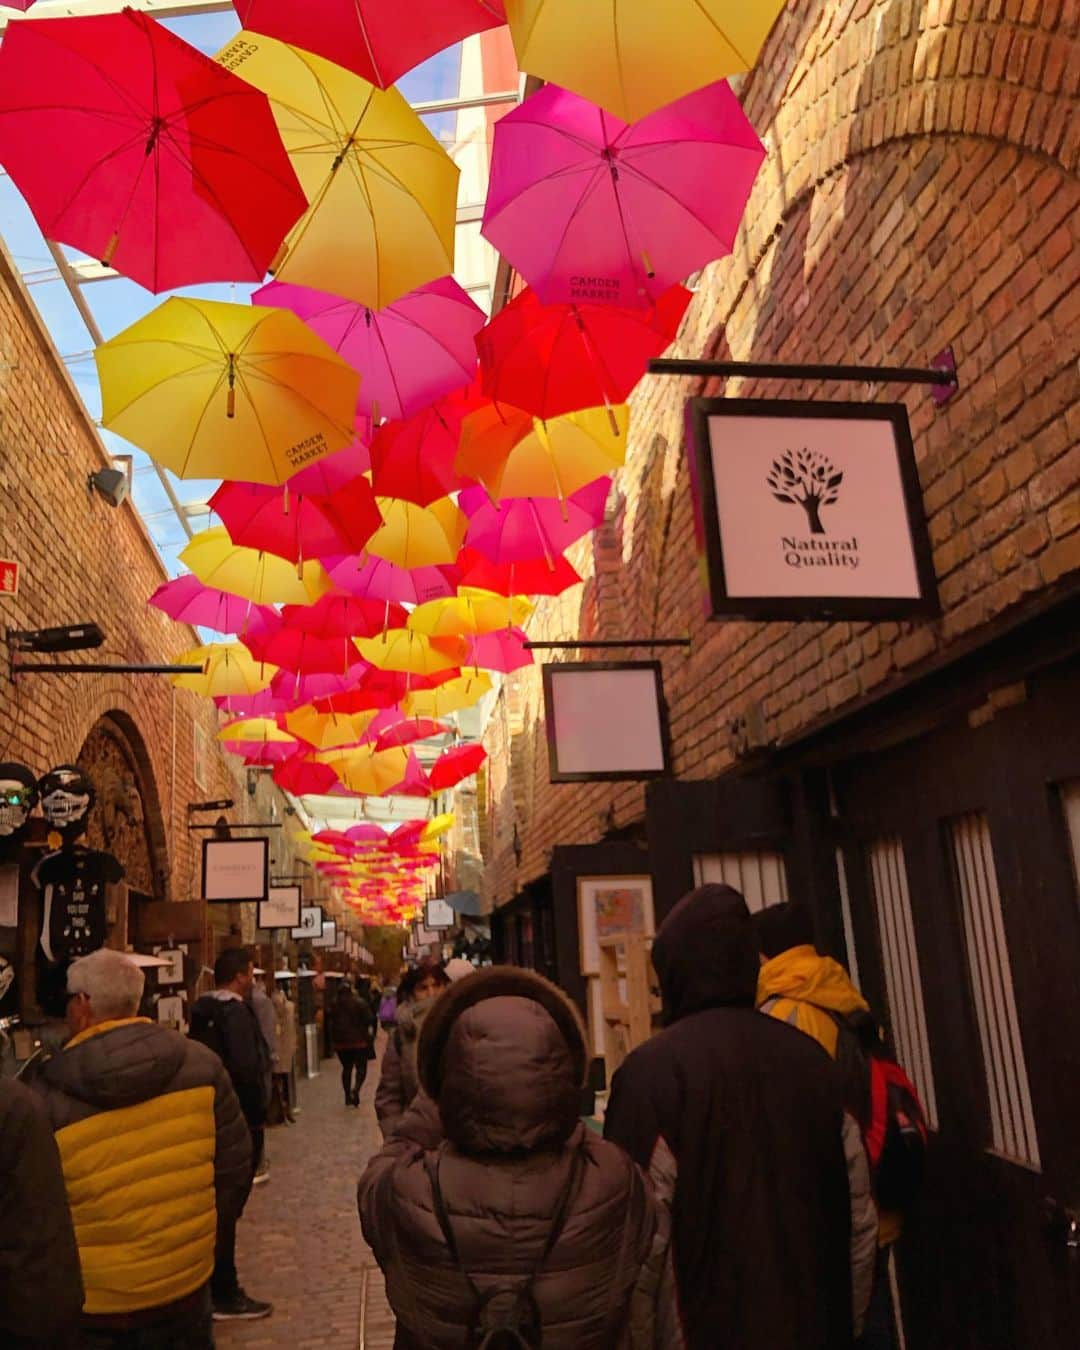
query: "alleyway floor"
299, 1242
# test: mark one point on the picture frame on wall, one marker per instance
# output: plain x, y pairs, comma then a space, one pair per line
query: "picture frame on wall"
606, 721
328, 937
281, 908
612, 906
310, 925
235, 871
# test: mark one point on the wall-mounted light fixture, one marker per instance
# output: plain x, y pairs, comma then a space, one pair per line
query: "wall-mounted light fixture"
112, 484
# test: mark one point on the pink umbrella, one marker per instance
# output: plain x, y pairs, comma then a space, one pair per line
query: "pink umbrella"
408, 833
299, 688
262, 704
408, 354
262, 754
297, 528
408, 730
415, 783
301, 776
377, 40
454, 766
335, 471
376, 579
503, 651
590, 208
187, 600
525, 529
366, 833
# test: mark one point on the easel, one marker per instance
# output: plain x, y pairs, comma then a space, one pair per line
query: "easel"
626, 1024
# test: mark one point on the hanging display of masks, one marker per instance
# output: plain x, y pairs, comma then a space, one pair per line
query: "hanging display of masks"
67, 796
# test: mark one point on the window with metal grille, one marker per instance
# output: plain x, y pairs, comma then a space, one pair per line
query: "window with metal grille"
1012, 1120
761, 878
900, 957
1070, 806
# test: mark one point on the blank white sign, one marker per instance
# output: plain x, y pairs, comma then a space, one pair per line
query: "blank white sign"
606, 721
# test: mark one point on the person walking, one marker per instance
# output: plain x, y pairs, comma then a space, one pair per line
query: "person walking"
226, 1022
352, 1030
519, 1219
399, 1081
155, 1156
740, 1124
264, 1013
285, 1038
41, 1288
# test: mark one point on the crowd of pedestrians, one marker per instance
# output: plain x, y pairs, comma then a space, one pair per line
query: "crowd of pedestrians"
756, 1157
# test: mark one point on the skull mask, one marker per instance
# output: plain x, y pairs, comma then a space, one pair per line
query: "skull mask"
66, 798
18, 797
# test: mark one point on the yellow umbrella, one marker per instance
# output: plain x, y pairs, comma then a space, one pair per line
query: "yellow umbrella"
472, 611
438, 825
382, 190
372, 772
228, 669
634, 56
401, 649
263, 578
214, 390
553, 458
255, 730
328, 731
418, 536
447, 698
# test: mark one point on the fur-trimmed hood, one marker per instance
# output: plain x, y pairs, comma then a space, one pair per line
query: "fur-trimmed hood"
503, 1052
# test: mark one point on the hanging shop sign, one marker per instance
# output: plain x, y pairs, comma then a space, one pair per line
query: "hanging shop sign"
310, 925
281, 908
9, 577
235, 870
438, 914
606, 720
328, 937
810, 510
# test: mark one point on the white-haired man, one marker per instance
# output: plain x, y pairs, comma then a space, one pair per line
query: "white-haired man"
155, 1153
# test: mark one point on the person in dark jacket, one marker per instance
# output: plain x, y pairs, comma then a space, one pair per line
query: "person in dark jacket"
502, 1058
738, 1119
352, 1029
41, 1289
155, 1153
399, 1081
226, 1022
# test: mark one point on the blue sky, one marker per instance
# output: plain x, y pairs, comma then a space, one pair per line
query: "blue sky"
117, 303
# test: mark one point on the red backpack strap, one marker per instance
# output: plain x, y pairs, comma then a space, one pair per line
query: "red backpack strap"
879, 1110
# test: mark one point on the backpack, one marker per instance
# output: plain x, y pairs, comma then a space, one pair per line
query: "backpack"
495, 1323
206, 1028
388, 1009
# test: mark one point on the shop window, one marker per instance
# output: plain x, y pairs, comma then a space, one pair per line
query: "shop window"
1070, 807
760, 877
900, 957
1012, 1120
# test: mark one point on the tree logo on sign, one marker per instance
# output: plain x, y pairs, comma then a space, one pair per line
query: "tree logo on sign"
808, 479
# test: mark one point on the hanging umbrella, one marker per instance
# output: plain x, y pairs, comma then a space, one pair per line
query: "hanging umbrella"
377, 40
262, 704
555, 359
403, 650
455, 765
260, 736
303, 777
343, 616
313, 639
414, 459
530, 528
463, 692
134, 147
261, 577
378, 690
382, 190
469, 612
634, 56
553, 459
334, 471
409, 354
503, 651
588, 208
214, 390
296, 527
327, 731
187, 600
437, 826
414, 536
228, 668
376, 579
371, 772
409, 730
414, 782
299, 688
301, 653
523, 578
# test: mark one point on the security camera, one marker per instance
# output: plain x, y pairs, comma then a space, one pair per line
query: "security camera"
112, 484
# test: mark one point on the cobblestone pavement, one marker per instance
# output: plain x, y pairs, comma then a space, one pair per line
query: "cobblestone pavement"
299, 1243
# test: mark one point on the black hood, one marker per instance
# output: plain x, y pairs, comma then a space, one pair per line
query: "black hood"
706, 954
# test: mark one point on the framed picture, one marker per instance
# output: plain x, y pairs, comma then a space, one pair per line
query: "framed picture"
310, 925
424, 936
328, 937
438, 914
606, 720
611, 907
810, 510
235, 870
173, 973
281, 908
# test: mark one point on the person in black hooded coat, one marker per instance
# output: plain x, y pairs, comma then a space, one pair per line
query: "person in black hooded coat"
738, 1120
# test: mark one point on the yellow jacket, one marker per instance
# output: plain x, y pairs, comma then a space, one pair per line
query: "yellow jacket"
153, 1144
798, 984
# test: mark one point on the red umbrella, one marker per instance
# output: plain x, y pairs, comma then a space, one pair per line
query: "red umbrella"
377, 40
527, 529
454, 766
409, 730
413, 459
522, 578
187, 600
376, 689
134, 147
300, 776
314, 639
296, 527
555, 359
343, 616
415, 783
366, 833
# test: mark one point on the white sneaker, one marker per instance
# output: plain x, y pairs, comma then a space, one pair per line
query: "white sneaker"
261, 1176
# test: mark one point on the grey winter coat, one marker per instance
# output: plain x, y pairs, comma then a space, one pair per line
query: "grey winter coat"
502, 1059
399, 1080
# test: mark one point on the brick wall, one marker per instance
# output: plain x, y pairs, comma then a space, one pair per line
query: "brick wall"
920, 191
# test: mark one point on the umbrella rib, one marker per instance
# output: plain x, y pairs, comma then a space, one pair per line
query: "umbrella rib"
199, 421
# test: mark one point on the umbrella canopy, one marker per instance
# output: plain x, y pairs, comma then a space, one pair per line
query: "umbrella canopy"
409, 730
409, 354
262, 704
526, 529
228, 668
455, 765
414, 782
589, 208
297, 687
258, 737
463, 692
406, 651
418, 536
295, 527
382, 190
302, 776
414, 459
327, 731
334, 471
378, 690
261, 577
214, 390
376, 40
555, 359
552, 459
524, 578
188, 600
469, 612
503, 651
376, 579
134, 147
301, 653
343, 616
636, 55
369, 771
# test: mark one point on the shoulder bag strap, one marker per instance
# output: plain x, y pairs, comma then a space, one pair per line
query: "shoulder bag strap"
432, 1162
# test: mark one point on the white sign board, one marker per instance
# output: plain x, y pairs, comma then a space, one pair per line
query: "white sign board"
235, 870
438, 914
282, 908
605, 720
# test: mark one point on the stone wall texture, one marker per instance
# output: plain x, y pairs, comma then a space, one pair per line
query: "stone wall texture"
920, 191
